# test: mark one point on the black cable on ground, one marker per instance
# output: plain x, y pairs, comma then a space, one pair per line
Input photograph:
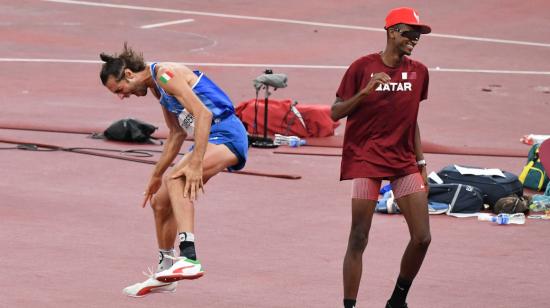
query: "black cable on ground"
90, 151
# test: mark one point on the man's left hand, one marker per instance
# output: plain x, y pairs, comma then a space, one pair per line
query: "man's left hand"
192, 174
424, 174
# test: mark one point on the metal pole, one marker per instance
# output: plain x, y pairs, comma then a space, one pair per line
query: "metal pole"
265, 112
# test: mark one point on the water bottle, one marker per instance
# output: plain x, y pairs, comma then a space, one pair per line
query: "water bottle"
504, 219
292, 141
296, 142
387, 204
485, 217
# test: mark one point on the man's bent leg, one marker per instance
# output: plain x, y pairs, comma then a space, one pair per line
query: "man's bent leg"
364, 196
362, 212
165, 223
216, 158
414, 207
165, 226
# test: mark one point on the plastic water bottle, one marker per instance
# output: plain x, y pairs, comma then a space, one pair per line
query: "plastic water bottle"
485, 217
387, 204
291, 141
504, 219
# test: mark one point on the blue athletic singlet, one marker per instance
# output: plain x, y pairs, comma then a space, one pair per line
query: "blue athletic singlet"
207, 91
226, 128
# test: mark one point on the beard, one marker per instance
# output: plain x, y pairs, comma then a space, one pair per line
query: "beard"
405, 50
141, 91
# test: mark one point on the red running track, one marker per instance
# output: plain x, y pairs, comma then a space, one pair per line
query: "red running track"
72, 231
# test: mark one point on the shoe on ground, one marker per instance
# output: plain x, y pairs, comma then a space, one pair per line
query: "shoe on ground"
390, 306
184, 268
150, 285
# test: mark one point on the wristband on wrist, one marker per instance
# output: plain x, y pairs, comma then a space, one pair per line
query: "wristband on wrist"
421, 163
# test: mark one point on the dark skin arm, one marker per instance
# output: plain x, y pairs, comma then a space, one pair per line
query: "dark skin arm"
420, 154
341, 109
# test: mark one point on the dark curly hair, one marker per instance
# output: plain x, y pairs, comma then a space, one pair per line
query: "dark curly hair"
114, 65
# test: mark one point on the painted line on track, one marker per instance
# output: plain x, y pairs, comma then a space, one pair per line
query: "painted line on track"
289, 21
168, 23
288, 66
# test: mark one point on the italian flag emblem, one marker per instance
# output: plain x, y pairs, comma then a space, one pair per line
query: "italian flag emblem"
166, 76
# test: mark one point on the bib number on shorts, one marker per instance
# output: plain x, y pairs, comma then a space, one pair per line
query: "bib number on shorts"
187, 122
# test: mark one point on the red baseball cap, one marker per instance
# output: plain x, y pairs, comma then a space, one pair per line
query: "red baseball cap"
408, 16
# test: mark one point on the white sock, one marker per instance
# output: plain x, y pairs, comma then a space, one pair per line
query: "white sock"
164, 262
186, 237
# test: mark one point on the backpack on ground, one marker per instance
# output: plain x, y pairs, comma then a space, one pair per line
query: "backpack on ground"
493, 187
131, 130
533, 175
512, 204
461, 198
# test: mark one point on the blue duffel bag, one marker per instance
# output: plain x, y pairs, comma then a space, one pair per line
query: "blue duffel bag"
461, 198
492, 187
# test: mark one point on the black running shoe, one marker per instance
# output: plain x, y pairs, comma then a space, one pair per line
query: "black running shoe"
390, 306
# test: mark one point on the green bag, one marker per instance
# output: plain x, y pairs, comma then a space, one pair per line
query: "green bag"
533, 175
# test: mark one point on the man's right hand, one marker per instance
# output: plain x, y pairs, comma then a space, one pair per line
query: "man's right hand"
342, 109
152, 188
376, 79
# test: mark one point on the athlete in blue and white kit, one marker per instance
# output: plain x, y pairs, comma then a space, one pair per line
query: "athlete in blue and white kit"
191, 103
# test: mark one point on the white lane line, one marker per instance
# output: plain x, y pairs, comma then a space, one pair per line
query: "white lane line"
288, 66
290, 21
50, 60
168, 23
482, 71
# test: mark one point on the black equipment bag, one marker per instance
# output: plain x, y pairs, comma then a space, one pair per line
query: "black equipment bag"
129, 129
492, 187
460, 197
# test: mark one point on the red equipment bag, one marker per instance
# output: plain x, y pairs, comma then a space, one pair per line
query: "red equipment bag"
285, 118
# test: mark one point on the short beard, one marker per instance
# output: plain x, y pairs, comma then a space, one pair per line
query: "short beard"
142, 91
403, 52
